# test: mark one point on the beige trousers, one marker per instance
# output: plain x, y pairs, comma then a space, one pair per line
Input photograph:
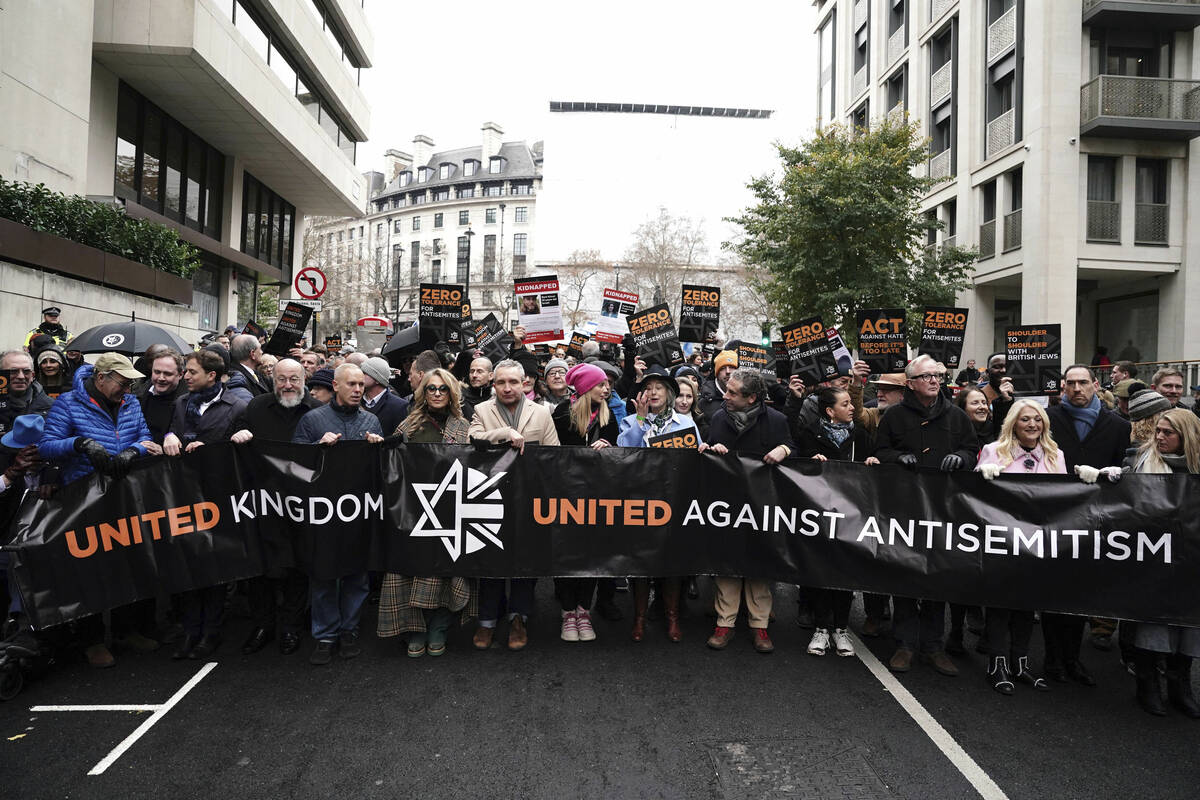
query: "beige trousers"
729, 596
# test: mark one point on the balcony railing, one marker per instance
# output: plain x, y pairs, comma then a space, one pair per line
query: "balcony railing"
1148, 108
938, 7
1164, 15
1001, 133
1012, 230
1002, 34
940, 84
896, 113
939, 165
896, 45
1150, 223
1103, 221
860, 13
987, 239
860, 82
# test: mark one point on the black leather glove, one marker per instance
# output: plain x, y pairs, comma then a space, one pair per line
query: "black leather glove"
951, 463
119, 465
908, 460
93, 450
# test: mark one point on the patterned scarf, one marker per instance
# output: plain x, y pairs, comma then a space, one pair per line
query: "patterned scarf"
837, 432
191, 414
659, 423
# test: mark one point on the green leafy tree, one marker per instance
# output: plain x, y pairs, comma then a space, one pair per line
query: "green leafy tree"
841, 228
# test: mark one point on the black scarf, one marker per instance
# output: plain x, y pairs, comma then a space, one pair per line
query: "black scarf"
106, 405
191, 414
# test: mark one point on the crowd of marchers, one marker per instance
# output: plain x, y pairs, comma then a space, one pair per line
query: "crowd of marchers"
65, 418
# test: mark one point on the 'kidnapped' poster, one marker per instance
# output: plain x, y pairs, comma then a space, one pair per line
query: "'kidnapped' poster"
538, 309
614, 308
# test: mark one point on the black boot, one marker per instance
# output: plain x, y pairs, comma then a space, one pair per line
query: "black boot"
1025, 676
1149, 693
1179, 685
999, 676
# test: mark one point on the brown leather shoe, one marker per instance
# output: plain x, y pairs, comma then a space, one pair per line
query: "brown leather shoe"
99, 657
901, 660
871, 627
517, 636
638, 631
941, 662
762, 641
720, 638
483, 638
671, 592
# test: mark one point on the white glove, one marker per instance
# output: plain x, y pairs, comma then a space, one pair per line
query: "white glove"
1087, 474
989, 471
1112, 473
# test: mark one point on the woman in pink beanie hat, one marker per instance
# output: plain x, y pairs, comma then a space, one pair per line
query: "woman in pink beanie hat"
584, 421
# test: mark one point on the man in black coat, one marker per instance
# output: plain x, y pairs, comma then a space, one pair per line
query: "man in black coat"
746, 425
1088, 435
244, 353
379, 399
274, 417
924, 430
158, 395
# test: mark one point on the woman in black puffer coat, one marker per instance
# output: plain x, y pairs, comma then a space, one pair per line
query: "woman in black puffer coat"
833, 437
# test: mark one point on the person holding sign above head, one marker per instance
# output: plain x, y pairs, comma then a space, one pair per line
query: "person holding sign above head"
746, 425
924, 430
1024, 446
833, 437
582, 421
655, 416
509, 417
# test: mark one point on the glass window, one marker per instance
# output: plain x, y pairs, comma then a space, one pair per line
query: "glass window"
195, 173
416, 226
250, 29
464, 218
493, 190
470, 167
437, 220
268, 227
287, 231
379, 229
346, 144
151, 194
396, 226
489, 215
125, 173
436, 271
489, 257
520, 242
463, 262
174, 171
214, 192
414, 264
495, 165
328, 123
522, 214
405, 178
423, 174
440, 195
308, 99
397, 251
443, 172
522, 188
466, 192
283, 69
250, 215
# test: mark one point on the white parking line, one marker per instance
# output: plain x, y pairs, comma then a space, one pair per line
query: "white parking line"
970, 770
159, 712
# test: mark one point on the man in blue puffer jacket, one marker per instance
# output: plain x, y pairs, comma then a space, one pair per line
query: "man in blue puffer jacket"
97, 426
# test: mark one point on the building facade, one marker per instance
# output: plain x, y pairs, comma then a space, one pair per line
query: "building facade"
1063, 137
228, 121
464, 216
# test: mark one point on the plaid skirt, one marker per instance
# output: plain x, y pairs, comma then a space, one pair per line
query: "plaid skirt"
403, 600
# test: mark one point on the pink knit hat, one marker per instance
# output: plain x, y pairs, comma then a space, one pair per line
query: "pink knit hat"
585, 377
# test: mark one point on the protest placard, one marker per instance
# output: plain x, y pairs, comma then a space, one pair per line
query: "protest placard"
699, 313
1034, 357
942, 333
538, 310
809, 351
654, 336
614, 308
289, 330
440, 313
883, 339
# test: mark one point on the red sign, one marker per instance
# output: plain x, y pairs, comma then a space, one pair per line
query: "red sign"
310, 283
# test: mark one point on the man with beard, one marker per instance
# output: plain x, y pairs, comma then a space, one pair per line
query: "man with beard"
25, 395
158, 395
274, 417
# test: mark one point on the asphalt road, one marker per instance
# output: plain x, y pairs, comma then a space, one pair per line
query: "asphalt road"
608, 719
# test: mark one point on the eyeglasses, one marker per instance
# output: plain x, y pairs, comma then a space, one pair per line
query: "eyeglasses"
124, 383
286, 379
434, 389
929, 377
556, 371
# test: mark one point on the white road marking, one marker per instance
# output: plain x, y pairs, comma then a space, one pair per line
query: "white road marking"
970, 770
98, 708
161, 712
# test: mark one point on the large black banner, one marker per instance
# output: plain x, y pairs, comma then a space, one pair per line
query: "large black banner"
226, 512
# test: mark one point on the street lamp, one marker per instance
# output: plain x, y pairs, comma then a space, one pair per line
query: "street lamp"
467, 282
399, 261
617, 270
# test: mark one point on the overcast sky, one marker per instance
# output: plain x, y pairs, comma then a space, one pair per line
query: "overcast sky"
443, 72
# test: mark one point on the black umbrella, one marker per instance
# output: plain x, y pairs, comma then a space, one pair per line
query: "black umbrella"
405, 343
130, 338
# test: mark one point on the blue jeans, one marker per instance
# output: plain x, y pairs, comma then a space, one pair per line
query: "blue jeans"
337, 605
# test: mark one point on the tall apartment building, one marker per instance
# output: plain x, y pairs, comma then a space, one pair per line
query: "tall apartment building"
1063, 134
462, 216
229, 121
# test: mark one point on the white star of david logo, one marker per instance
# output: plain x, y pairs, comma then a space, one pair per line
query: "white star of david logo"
472, 520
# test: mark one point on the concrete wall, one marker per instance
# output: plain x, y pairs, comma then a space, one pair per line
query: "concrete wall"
44, 91
25, 291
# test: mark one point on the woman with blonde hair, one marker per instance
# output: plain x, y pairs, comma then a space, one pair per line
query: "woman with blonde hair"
1174, 449
424, 607
687, 403
1024, 447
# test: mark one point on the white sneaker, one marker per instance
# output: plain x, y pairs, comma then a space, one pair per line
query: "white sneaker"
583, 621
841, 642
570, 627
819, 642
